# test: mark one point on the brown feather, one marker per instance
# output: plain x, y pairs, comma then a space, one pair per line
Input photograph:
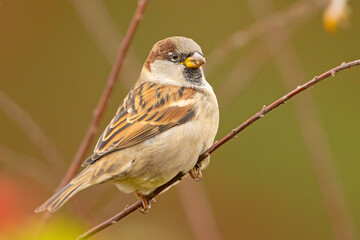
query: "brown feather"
147, 110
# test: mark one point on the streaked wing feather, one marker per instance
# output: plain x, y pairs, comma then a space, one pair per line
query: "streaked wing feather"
147, 110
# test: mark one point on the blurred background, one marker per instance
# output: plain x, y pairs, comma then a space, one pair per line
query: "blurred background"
292, 175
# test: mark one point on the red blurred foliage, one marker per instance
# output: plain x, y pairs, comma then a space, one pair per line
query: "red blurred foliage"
11, 203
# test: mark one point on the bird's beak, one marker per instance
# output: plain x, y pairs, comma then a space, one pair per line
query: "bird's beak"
195, 61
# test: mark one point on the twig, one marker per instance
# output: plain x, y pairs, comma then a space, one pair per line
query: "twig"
90, 133
33, 130
226, 138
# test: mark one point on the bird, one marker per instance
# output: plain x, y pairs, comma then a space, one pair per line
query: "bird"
166, 121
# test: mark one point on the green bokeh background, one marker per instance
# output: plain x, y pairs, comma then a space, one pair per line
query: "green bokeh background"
260, 186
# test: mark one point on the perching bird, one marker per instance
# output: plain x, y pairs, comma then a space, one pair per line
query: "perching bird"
166, 121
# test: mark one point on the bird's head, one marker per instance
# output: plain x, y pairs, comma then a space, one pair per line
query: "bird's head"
177, 60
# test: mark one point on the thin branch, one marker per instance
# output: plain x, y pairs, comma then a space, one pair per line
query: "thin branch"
33, 130
226, 138
98, 113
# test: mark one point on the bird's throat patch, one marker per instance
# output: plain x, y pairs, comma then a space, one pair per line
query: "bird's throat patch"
193, 75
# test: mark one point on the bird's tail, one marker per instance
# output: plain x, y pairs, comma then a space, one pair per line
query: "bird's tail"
79, 183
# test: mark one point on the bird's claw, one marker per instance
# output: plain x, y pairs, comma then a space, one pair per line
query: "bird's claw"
145, 203
195, 173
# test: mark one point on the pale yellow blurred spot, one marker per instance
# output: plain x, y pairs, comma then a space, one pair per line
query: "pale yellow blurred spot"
336, 15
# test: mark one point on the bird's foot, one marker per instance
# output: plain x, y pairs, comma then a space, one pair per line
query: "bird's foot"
145, 203
195, 173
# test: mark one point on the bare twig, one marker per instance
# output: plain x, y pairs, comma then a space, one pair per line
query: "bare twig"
319, 152
90, 133
226, 138
33, 130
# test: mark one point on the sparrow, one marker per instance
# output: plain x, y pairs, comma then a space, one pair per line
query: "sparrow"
166, 121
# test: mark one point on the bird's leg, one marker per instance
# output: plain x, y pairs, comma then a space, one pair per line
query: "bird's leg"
195, 173
146, 204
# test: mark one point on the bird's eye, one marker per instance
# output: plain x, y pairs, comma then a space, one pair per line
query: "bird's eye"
174, 57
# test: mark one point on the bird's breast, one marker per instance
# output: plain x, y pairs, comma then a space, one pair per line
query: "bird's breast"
158, 159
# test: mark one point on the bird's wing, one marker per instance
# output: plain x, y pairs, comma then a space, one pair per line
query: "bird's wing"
147, 110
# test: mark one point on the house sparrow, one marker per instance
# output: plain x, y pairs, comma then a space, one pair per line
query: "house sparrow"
166, 121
